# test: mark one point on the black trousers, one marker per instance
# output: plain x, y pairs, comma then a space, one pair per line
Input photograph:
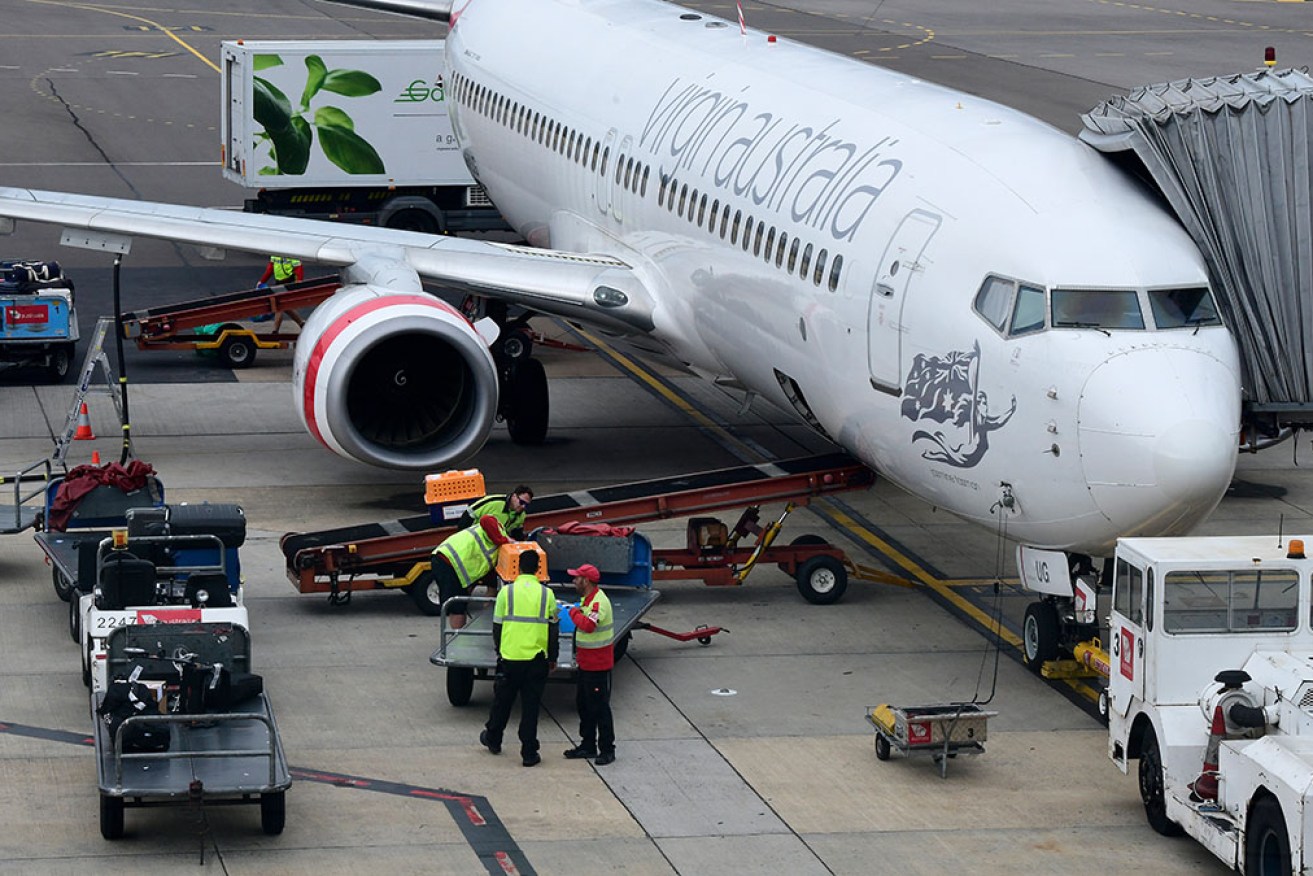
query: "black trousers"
526, 679
592, 697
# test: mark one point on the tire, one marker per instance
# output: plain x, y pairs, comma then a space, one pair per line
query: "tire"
427, 596
75, 618
1267, 845
111, 817
414, 219
273, 812
881, 747
1041, 638
61, 362
621, 647
527, 413
63, 587
517, 342
237, 352
803, 541
822, 580
460, 685
86, 666
1152, 787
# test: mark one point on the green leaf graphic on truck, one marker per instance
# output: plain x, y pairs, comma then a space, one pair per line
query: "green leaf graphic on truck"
290, 135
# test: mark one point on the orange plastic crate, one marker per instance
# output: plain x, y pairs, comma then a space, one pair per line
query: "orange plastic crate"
508, 560
453, 486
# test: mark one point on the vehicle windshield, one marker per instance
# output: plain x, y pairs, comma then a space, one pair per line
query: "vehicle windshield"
1097, 308
1243, 601
1177, 308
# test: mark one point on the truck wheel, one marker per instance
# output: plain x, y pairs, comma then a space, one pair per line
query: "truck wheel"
427, 596
414, 220
1152, 787
237, 351
621, 647
111, 817
273, 812
822, 580
526, 418
1041, 638
86, 666
60, 363
1267, 845
881, 747
460, 685
63, 586
807, 540
75, 619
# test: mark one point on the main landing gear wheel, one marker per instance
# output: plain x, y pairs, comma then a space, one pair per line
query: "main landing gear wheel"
460, 685
526, 415
1041, 638
822, 580
238, 351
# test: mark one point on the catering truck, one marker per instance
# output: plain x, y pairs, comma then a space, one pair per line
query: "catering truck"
1211, 689
350, 130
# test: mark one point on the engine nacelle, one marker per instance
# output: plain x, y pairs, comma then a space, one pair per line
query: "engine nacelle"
395, 379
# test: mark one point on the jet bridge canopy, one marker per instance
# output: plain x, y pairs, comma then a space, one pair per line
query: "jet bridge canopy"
1232, 157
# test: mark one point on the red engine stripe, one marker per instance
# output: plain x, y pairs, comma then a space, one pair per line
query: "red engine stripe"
325, 341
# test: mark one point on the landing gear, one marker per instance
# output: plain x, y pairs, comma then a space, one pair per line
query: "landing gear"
524, 402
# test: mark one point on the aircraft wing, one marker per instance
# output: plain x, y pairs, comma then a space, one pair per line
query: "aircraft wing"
595, 289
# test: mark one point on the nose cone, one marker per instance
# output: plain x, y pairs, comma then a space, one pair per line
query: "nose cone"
1158, 438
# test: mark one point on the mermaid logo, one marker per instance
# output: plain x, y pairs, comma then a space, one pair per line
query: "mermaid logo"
946, 391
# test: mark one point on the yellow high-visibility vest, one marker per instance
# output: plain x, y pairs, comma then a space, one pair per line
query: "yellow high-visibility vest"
284, 268
471, 553
525, 609
604, 633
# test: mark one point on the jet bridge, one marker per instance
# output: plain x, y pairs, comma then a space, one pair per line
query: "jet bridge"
1231, 155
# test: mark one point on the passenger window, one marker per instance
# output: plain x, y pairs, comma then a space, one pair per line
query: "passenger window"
647, 169
747, 234
683, 199
1097, 308
661, 192
820, 267
1175, 308
806, 261
734, 227
770, 242
793, 256
606, 157
756, 241
779, 252
994, 299
1028, 315
835, 269
702, 210
724, 222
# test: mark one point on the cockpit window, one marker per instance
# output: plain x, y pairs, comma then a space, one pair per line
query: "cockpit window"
994, 299
1097, 308
1028, 315
1175, 308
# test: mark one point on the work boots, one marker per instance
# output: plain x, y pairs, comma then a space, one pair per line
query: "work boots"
580, 752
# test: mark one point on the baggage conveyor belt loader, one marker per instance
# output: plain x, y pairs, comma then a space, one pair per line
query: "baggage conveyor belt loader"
395, 554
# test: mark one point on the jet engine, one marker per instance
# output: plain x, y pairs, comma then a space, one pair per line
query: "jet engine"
394, 379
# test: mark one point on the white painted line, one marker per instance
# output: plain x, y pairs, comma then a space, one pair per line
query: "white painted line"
120, 73
179, 76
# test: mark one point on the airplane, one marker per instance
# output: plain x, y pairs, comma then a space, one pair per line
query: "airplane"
981, 308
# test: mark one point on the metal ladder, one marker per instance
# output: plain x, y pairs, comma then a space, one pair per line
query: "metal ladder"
95, 358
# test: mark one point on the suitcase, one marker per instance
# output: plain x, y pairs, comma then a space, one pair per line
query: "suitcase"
227, 521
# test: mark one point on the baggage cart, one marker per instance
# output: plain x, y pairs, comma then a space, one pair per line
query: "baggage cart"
225, 758
942, 730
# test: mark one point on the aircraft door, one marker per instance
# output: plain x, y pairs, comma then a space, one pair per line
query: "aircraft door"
884, 328
1130, 620
619, 178
606, 166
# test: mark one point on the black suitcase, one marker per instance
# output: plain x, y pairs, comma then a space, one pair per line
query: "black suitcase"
222, 519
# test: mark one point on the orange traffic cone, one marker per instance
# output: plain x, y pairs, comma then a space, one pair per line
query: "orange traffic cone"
1205, 787
84, 432
95, 457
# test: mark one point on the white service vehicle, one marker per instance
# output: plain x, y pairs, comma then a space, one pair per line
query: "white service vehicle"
1211, 689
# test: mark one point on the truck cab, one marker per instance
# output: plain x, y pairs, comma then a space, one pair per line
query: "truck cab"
38, 322
1210, 690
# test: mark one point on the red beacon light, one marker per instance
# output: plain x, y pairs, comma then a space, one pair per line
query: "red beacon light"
1270, 56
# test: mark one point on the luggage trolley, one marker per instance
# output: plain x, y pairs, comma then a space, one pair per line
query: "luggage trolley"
942, 730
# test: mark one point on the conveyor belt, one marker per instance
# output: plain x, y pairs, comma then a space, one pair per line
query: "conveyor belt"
173, 318
380, 548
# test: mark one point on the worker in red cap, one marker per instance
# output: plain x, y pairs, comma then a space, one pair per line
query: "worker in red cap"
593, 635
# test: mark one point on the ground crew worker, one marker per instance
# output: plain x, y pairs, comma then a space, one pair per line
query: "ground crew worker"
463, 560
593, 634
524, 628
509, 509
282, 270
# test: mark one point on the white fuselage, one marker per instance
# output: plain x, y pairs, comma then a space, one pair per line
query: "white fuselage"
573, 112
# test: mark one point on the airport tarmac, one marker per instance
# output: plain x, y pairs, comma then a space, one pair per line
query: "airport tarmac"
779, 776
